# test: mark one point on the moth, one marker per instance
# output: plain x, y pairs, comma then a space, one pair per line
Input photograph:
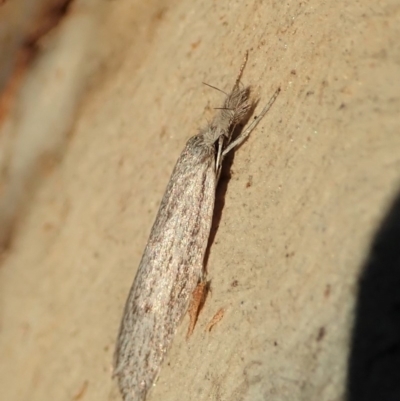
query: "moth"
172, 264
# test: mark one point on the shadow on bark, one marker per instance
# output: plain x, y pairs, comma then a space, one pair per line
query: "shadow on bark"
374, 360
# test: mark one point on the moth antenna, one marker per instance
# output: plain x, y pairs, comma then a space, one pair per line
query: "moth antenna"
214, 87
239, 76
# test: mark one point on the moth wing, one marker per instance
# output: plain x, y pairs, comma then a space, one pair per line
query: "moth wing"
168, 274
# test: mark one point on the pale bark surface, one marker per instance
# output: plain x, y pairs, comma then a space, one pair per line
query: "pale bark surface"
307, 192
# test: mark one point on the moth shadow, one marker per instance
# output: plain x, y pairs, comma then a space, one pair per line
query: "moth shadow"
224, 179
